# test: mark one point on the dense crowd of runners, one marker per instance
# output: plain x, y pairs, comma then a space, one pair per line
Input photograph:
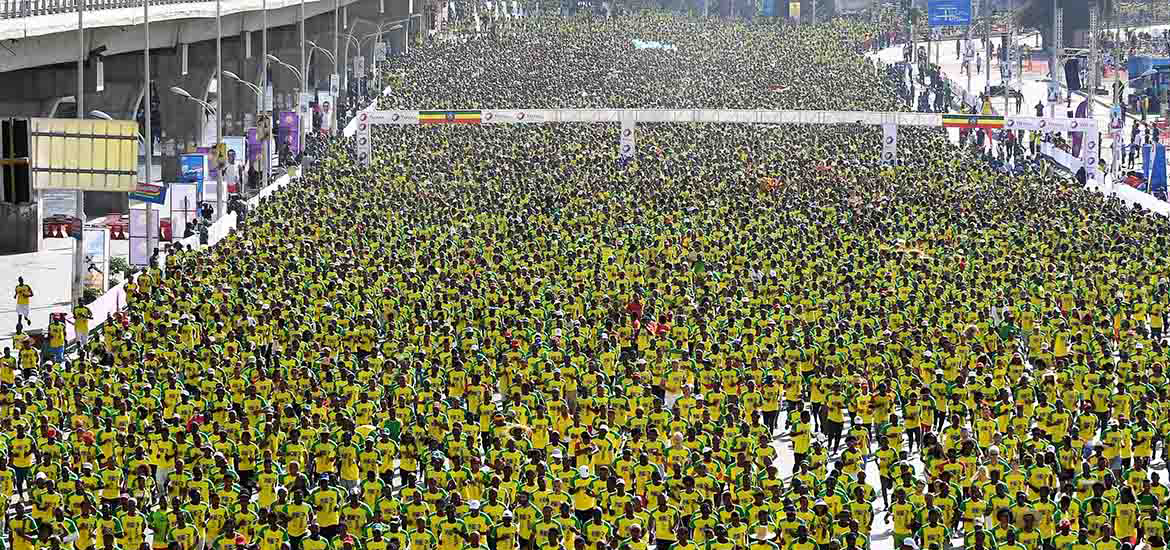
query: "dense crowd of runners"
503, 337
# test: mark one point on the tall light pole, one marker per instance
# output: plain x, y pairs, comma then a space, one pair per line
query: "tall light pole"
300, 78
219, 162
1005, 66
335, 77
1094, 68
303, 111
150, 242
79, 245
259, 109
206, 106
266, 108
148, 137
1057, 52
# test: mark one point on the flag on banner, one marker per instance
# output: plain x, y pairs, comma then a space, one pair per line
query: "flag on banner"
1078, 137
151, 193
1146, 161
1158, 173
449, 117
972, 121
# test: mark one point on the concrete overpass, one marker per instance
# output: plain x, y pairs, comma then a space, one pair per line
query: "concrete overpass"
39, 46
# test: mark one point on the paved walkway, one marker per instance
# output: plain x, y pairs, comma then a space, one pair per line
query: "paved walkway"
1034, 87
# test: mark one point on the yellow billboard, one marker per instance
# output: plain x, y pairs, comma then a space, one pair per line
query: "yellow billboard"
90, 155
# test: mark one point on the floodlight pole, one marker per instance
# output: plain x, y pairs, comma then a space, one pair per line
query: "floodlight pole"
219, 162
148, 139
79, 244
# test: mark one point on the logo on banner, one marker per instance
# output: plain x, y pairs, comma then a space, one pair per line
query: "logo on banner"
520, 116
889, 140
488, 115
450, 117
394, 117
626, 132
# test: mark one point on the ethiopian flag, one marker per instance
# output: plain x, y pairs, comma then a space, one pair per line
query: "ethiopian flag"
972, 121
449, 117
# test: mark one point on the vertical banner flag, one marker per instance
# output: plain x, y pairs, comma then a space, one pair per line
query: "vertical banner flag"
325, 104
629, 139
139, 239
889, 144
1091, 153
184, 208
1146, 161
363, 138
287, 131
1158, 174
97, 255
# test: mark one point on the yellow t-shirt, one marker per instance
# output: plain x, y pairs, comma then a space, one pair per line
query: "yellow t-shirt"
23, 293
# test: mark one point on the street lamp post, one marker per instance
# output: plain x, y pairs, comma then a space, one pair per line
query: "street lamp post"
148, 140
259, 109
302, 109
336, 76
150, 241
209, 108
266, 108
219, 162
79, 245
300, 78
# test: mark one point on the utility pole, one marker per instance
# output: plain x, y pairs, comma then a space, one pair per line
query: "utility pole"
987, 47
1005, 66
1094, 68
1057, 52
336, 77
220, 160
264, 106
147, 138
969, 48
79, 244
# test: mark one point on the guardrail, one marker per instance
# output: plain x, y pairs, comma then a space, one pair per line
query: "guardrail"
15, 9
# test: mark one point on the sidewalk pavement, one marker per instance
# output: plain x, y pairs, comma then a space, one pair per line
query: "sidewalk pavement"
50, 271
1034, 87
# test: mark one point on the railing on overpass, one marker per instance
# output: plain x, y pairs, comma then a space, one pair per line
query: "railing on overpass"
15, 9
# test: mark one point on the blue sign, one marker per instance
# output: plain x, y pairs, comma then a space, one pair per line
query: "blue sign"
769, 7
193, 169
949, 13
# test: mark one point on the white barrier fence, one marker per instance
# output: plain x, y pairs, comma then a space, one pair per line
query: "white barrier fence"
889, 121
